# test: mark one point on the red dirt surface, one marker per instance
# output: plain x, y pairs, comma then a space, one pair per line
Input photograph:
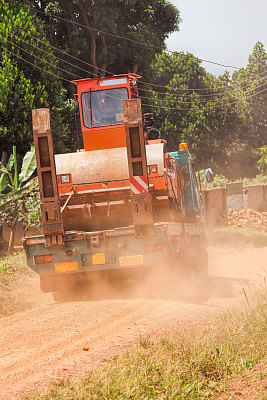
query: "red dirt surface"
250, 386
46, 343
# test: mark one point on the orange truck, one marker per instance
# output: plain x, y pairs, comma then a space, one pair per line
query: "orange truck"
119, 205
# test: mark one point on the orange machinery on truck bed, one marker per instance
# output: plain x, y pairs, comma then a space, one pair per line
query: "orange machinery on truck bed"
122, 202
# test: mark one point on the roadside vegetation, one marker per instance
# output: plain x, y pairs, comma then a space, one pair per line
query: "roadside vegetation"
219, 179
197, 363
232, 236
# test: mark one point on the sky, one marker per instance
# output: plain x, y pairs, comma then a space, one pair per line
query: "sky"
224, 31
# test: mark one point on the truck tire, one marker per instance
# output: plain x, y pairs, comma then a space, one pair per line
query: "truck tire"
193, 269
60, 297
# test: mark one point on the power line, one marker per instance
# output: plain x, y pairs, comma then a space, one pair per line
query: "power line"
170, 108
219, 94
34, 65
162, 100
196, 89
44, 51
124, 37
41, 59
55, 48
207, 107
142, 82
148, 105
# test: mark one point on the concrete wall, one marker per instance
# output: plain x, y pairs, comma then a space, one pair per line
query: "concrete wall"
214, 206
257, 197
215, 203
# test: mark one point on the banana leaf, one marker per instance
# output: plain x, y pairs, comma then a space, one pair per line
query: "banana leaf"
9, 198
5, 175
28, 165
3, 181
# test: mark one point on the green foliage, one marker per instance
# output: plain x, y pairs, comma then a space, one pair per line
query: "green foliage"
23, 86
220, 180
28, 202
33, 209
260, 179
5, 267
28, 167
262, 162
13, 204
224, 134
149, 22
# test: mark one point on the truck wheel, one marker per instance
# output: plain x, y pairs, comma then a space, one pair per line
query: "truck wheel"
200, 264
61, 297
193, 270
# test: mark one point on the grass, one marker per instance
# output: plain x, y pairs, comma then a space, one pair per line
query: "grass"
239, 236
11, 264
194, 364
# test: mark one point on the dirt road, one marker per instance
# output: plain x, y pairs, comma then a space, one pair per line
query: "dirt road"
46, 343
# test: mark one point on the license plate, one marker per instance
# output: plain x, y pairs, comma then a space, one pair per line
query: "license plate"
98, 258
66, 266
131, 260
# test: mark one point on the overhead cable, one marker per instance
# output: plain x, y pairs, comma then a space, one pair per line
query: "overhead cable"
212, 107
109, 72
123, 37
53, 47
41, 59
44, 51
34, 65
202, 97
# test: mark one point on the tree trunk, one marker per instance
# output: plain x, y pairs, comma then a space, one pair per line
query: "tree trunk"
53, 32
92, 38
104, 52
68, 29
13, 228
135, 68
4, 157
25, 218
93, 53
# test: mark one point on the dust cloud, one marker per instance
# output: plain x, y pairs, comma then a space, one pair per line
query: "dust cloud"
228, 269
22, 293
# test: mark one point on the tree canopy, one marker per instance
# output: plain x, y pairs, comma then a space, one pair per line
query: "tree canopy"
93, 30
223, 119
47, 43
27, 79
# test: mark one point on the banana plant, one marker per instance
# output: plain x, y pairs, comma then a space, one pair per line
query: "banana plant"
15, 185
14, 181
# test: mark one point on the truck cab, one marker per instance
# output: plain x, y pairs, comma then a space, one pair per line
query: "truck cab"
101, 109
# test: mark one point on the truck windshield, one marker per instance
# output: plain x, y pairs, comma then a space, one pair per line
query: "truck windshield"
103, 107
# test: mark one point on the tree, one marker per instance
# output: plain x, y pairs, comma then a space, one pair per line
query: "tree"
27, 82
252, 81
144, 21
18, 190
195, 107
223, 120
